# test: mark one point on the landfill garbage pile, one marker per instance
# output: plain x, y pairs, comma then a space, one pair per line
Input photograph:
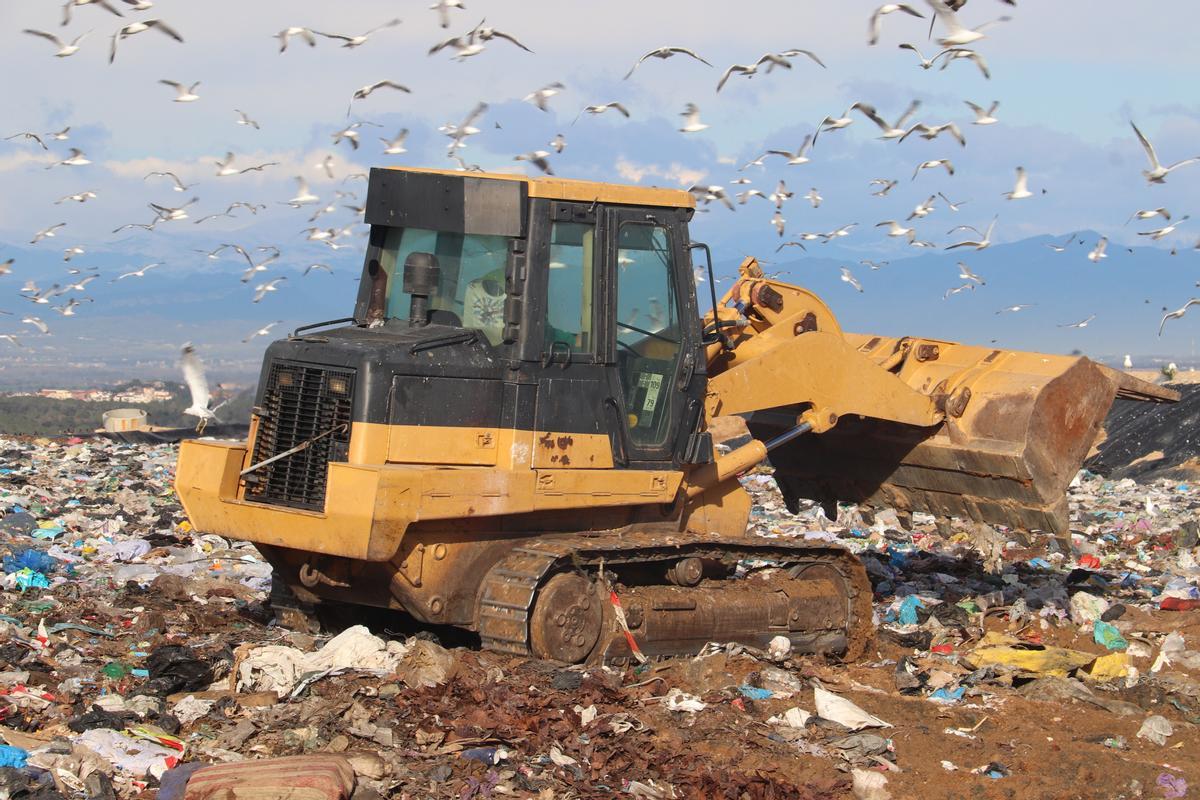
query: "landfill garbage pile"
1152, 440
139, 658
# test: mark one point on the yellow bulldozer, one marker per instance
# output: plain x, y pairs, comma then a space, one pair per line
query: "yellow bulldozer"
510, 434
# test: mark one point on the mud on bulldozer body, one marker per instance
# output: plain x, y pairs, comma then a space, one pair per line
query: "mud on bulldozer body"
510, 433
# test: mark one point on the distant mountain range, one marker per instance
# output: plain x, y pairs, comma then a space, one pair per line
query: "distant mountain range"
134, 327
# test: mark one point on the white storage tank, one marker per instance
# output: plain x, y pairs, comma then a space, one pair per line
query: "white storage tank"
125, 419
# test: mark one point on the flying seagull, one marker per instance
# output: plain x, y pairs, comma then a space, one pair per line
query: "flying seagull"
951, 205
311, 267
887, 185
272, 285
965, 273
956, 35
849, 278
361, 39
137, 273
394, 147
76, 159
225, 167
184, 94
1166, 230
40, 325
601, 108
197, 383
889, 131
47, 233
27, 135
772, 60
64, 49
287, 33
923, 209
798, 157
139, 27
263, 331
66, 20
245, 120
1058, 248
1083, 323
442, 7
665, 53
1014, 309
1157, 172
876, 22
541, 97
1098, 253
938, 162
926, 63
896, 229
179, 185
1149, 214
691, 122
365, 91
538, 158
79, 197
984, 241
1177, 313
1021, 189
956, 53
931, 132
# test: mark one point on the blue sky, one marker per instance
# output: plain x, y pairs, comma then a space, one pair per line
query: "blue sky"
1069, 76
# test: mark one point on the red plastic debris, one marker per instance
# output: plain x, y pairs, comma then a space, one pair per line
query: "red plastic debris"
1179, 604
1089, 561
942, 649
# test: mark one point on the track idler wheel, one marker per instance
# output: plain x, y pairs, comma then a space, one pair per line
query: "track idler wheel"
567, 619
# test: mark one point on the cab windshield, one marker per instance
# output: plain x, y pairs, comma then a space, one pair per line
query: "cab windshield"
471, 290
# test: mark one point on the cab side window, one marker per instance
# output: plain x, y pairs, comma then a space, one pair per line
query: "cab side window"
570, 286
649, 334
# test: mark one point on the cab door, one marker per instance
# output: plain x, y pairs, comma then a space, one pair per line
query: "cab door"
653, 336
572, 380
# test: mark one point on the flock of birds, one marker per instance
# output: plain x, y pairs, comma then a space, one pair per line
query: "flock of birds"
958, 45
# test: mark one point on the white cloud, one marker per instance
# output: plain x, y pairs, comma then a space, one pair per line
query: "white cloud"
674, 172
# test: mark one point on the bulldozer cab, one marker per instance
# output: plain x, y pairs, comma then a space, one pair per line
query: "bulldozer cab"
583, 290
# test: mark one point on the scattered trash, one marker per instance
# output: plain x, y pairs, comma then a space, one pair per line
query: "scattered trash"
132, 646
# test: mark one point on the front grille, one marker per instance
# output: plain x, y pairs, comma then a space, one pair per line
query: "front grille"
301, 402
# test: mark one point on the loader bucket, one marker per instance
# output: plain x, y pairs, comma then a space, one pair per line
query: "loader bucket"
1017, 428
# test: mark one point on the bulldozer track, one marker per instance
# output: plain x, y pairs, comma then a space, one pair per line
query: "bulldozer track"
511, 586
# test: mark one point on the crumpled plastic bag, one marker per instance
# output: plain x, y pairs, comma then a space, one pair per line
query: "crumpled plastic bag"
869, 785
1156, 729
678, 700
1087, 608
996, 649
841, 710
191, 708
135, 756
279, 668
426, 664
1107, 634
176, 668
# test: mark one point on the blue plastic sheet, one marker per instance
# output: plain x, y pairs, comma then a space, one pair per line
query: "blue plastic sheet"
908, 609
12, 756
